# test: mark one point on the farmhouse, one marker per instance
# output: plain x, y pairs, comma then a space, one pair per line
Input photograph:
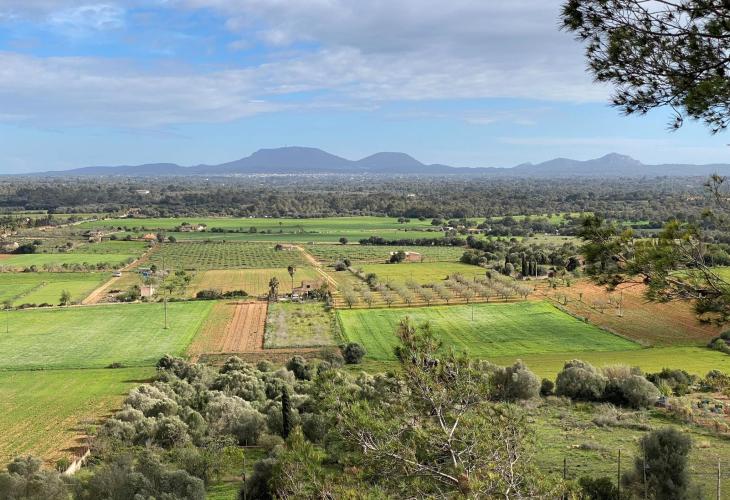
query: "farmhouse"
307, 287
150, 237
411, 256
192, 228
147, 291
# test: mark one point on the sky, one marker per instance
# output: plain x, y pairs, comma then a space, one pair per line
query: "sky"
463, 82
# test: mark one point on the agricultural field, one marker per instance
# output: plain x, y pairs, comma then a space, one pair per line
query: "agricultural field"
231, 327
53, 261
262, 224
40, 288
113, 247
422, 273
298, 325
627, 312
224, 255
514, 329
45, 413
254, 281
97, 336
371, 254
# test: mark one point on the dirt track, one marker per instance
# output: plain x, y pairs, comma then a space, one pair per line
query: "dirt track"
98, 295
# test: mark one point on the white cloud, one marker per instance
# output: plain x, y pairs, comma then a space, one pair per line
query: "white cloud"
96, 17
359, 54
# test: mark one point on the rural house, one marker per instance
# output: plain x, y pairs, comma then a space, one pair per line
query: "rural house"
411, 256
147, 291
307, 287
150, 237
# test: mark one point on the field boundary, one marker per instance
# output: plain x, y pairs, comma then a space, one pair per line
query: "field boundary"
99, 293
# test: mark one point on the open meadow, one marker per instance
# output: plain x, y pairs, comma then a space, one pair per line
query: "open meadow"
373, 254
514, 329
46, 288
97, 336
422, 273
299, 325
46, 412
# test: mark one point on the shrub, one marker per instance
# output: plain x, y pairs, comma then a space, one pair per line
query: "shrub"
679, 380
634, 391
580, 380
210, 294
298, 365
666, 468
547, 387
512, 383
600, 488
353, 353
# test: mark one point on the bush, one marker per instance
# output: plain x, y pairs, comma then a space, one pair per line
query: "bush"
580, 380
547, 387
679, 380
298, 365
600, 488
634, 391
210, 294
667, 453
512, 383
353, 353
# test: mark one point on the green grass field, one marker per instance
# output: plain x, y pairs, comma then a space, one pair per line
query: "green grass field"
41, 260
39, 288
514, 329
42, 412
96, 336
228, 255
423, 273
298, 325
361, 254
113, 247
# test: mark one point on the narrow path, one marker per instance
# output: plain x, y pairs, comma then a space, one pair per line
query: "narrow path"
317, 266
97, 295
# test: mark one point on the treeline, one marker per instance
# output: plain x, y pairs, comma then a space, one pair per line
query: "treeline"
644, 202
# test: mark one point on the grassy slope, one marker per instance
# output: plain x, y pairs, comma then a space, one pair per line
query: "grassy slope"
41, 411
497, 330
95, 336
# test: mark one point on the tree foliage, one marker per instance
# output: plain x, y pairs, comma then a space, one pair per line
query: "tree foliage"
669, 53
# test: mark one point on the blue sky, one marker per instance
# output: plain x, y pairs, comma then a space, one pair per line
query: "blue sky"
467, 83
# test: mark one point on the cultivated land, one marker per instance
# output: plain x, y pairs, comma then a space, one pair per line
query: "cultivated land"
58, 260
513, 329
299, 325
231, 327
254, 281
372, 254
39, 288
651, 324
96, 336
45, 413
223, 255
422, 273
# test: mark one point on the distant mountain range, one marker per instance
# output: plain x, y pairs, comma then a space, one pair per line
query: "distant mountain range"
301, 160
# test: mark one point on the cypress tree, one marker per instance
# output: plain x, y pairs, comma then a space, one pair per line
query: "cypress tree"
525, 270
285, 413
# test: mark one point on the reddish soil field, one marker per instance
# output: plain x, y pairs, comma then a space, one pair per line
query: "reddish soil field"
232, 327
646, 322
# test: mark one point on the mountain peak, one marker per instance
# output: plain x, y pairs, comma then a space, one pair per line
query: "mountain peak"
389, 159
617, 158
